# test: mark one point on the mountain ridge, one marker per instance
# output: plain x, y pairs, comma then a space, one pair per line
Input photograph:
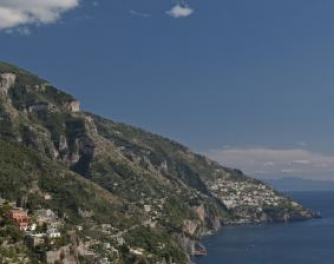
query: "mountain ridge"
159, 197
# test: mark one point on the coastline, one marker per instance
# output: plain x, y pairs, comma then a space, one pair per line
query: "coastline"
244, 222
296, 242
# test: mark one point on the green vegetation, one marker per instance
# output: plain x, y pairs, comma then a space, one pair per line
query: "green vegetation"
129, 189
160, 244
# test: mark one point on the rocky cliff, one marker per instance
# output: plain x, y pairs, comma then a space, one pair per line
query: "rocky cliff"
143, 196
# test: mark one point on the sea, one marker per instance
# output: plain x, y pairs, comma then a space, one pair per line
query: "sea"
306, 242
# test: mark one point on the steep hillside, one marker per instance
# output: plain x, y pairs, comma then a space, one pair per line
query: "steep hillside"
140, 197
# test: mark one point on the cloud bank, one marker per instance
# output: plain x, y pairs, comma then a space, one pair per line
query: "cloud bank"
14, 13
179, 11
269, 163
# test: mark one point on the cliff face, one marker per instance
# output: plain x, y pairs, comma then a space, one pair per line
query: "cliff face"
7, 80
168, 194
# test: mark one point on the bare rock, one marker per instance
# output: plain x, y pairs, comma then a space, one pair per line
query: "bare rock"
7, 81
189, 227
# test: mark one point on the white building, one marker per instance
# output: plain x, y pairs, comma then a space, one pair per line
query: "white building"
53, 233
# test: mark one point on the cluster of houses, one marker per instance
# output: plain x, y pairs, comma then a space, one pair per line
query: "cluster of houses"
50, 223
44, 224
153, 210
242, 193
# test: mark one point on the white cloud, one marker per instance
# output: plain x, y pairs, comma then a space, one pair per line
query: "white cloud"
15, 13
178, 11
267, 162
140, 14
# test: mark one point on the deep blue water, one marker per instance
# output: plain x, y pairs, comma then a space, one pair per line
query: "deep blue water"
310, 242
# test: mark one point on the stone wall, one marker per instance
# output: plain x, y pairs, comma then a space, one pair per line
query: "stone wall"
73, 106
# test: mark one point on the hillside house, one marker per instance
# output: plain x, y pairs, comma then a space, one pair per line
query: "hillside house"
20, 218
53, 233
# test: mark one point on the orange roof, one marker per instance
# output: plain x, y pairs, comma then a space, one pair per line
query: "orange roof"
18, 215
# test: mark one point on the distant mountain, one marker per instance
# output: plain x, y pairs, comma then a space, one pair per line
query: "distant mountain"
288, 184
120, 194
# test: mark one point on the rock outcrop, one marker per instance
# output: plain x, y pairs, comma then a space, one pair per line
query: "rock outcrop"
7, 81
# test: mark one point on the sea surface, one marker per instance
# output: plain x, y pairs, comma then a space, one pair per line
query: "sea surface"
309, 242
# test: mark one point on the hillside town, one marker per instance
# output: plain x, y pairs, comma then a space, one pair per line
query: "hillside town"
250, 201
54, 241
40, 228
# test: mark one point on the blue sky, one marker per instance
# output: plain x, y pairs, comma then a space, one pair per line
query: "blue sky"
239, 80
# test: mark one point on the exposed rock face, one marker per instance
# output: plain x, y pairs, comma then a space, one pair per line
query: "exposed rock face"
63, 146
189, 227
7, 81
84, 157
200, 211
63, 255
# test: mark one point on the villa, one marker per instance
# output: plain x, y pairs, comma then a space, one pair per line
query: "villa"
20, 218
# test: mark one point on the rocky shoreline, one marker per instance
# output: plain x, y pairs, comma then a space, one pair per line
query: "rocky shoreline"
246, 222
